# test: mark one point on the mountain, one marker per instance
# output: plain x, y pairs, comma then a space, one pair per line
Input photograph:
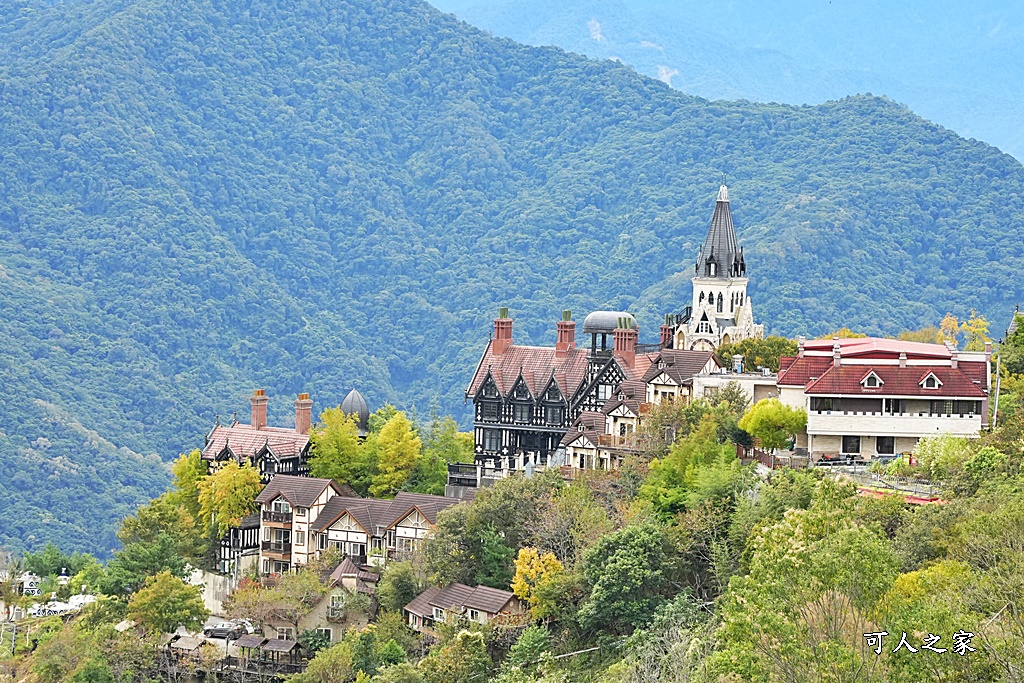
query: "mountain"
203, 197
955, 63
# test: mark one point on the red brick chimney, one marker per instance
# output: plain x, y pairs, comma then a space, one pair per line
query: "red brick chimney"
624, 344
566, 335
666, 336
502, 332
259, 409
303, 413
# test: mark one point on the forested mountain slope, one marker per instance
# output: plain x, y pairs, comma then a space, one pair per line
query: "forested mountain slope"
198, 198
956, 63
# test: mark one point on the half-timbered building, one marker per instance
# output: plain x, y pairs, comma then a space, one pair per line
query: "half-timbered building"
525, 397
271, 450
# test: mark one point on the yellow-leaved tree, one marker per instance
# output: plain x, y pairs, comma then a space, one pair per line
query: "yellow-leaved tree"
397, 448
227, 495
534, 569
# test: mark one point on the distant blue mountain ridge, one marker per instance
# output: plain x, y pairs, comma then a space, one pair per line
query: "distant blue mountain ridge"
958, 64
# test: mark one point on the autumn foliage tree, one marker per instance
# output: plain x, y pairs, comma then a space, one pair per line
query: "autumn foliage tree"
227, 495
773, 422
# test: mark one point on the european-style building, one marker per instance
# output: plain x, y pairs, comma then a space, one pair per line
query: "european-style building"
872, 397
289, 506
721, 312
458, 602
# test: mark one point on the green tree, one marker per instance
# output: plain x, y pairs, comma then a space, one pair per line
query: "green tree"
463, 659
757, 353
337, 452
533, 642
443, 443
136, 562
189, 470
165, 603
398, 448
398, 585
773, 422
801, 610
227, 495
399, 673
629, 572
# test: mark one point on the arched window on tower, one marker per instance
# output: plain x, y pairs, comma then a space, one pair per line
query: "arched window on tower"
720, 302
701, 300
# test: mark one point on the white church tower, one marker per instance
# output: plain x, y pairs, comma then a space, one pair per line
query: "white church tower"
721, 312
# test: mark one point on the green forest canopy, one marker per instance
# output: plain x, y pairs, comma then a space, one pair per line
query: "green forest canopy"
198, 198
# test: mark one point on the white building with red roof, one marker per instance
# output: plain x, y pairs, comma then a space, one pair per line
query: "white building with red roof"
870, 397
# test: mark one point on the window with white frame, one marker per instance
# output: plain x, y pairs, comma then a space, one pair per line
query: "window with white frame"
284, 633
326, 632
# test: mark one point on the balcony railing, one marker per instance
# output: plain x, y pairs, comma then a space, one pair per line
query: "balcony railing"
612, 441
279, 547
336, 614
274, 516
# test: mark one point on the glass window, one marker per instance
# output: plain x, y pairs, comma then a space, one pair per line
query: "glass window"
603, 392
300, 538
822, 403
885, 445
851, 444
553, 415
522, 412
284, 633
301, 512
326, 632
895, 406
492, 439
281, 505
490, 411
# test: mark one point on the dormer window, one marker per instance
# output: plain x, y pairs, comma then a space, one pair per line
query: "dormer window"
490, 390
579, 427
661, 365
931, 381
622, 397
522, 391
872, 381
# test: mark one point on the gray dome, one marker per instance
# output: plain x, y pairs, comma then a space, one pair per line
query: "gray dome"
355, 404
607, 322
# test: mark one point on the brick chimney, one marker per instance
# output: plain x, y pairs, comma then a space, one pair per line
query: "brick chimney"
303, 413
502, 332
566, 335
259, 409
667, 330
624, 343
800, 346
837, 356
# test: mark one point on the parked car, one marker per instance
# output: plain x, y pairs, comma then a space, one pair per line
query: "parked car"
246, 625
224, 629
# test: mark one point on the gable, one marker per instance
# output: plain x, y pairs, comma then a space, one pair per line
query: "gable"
414, 518
347, 523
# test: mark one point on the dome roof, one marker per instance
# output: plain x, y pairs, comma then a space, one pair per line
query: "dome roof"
355, 404
607, 322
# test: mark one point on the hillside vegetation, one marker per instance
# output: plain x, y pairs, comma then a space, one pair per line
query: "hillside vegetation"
198, 198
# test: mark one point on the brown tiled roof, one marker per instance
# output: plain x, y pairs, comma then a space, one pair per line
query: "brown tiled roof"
368, 512
244, 442
896, 381
299, 491
593, 426
537, 364
372, 513
680, 364
421, 604
459, 596
345, 568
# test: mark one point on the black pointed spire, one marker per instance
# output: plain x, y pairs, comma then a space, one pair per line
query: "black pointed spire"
721, 255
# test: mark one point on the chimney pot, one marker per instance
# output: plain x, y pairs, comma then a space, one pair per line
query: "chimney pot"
303, 413
624, 344
259, 409
566, 335
502, 332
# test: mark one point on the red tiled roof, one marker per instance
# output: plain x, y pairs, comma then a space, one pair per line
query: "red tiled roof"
885, 348
245, 442
798, 372
537, 364
896, 381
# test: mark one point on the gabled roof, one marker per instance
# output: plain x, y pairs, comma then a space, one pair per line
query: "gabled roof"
593, 426
798, 372
244, 442
459, 597
421, 604
846, 380
680, 364
299, 491
375, 514
633, 393
536, 364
